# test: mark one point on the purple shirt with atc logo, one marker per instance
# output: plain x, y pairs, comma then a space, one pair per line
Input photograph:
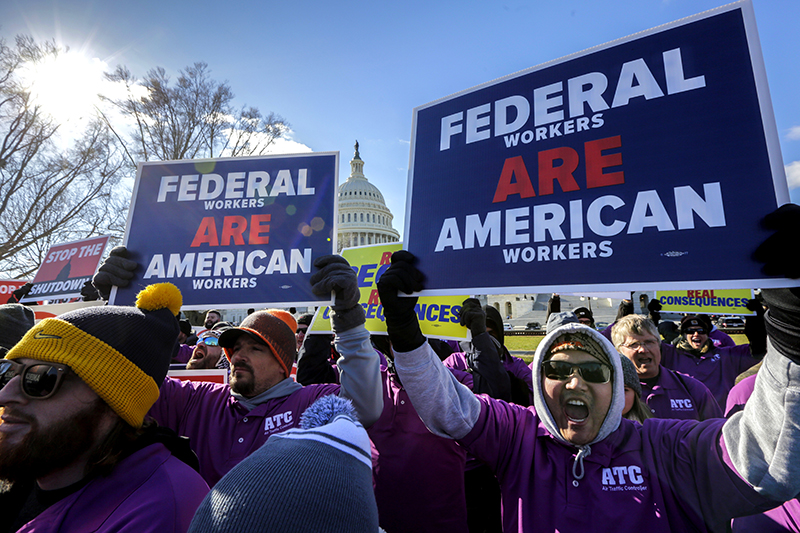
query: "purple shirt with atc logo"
677, 395
222, 432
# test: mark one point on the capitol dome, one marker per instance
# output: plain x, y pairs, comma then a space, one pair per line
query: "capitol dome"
363, 215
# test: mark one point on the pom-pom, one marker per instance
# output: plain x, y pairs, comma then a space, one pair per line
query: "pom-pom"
324, 410
160, 296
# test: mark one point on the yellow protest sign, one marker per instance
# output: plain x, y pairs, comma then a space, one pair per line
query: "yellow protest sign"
709, 302
438, 315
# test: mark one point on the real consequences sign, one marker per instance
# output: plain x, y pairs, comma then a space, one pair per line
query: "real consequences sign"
66, 268
438, 316
239, 232
706, 301
644, 163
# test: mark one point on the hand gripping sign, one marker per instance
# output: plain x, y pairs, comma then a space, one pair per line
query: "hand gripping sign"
66, 268
438, 316
236, 232
647, 162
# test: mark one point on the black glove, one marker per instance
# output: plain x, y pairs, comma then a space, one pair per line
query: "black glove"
401, 318
22, 291
654, 306
473, 317
781, 257
335, 274
314, 360
117, 270
88, 292
755, 329
780, 253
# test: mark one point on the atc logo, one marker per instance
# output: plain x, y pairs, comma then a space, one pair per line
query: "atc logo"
622, 478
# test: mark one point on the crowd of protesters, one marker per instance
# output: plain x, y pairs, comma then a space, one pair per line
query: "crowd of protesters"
617, 430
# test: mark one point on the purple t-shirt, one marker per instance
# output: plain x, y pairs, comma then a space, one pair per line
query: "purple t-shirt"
661, 476
418, 477
221, 431
149, 491
677, 395
716, 369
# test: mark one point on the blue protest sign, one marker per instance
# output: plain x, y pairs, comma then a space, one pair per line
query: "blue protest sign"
240, 232
646, 162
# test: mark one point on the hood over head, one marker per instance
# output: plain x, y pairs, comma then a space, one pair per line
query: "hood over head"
600, 342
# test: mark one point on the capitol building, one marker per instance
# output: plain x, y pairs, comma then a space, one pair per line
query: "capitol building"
363, 215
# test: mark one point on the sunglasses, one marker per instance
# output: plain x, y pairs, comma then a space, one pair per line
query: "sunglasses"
692, 331
590, 372
209, 341
38, 381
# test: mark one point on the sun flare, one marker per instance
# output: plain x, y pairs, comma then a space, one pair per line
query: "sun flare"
66, 85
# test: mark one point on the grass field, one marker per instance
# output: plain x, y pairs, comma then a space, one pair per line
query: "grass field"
529, 344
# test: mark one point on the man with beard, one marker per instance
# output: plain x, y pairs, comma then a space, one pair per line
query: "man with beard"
226, 423
76, 452
207, 353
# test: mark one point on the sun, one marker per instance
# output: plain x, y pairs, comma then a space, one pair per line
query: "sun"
66, 86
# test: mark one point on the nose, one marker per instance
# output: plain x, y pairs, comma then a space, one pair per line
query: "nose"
575, 381
11, 393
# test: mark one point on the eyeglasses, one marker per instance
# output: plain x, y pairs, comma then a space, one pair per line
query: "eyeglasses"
39, 381
209, 341
648, 345
562, 370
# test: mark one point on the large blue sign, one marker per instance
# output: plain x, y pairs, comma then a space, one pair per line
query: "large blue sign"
240, 232
644, 163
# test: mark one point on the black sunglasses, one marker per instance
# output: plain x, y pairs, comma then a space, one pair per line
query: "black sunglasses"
38, 381
591, 372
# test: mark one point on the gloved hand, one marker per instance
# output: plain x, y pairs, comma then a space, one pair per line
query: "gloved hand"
117, 270
654, 306
401, 318
335, 274
88, 292
755, 329
22, 291
780, 252
781, 257
473, 316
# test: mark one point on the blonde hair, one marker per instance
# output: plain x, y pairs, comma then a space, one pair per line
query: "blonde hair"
632, 325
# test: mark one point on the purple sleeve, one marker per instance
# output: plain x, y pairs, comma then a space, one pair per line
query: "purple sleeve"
689, 458
184, 354
740, 357
739, 395
176, 398
500, 431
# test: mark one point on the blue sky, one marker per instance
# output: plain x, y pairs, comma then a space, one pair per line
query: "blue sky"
341, 71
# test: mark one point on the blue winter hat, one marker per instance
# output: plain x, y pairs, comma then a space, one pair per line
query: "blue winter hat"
314, 478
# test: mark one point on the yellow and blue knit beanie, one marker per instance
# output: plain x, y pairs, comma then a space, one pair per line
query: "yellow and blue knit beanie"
122, 353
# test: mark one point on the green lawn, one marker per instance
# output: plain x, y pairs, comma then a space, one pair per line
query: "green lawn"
529, 344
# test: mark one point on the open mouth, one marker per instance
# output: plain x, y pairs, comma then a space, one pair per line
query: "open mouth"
576, 410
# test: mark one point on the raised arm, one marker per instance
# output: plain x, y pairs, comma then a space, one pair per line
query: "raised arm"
448, 408
763, 441
359, 366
